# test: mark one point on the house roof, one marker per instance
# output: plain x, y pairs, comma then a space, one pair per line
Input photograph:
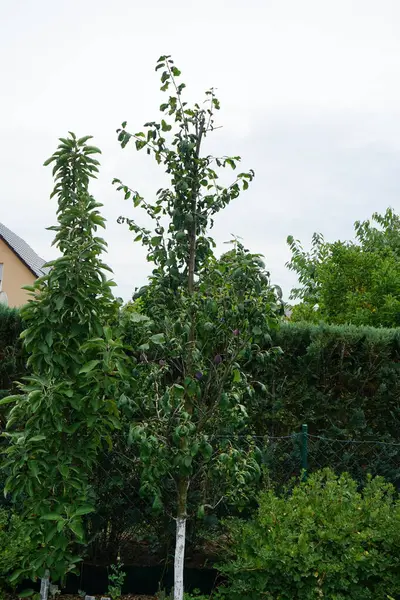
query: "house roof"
25, 252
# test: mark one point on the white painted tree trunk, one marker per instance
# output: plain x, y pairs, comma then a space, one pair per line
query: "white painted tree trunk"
179, 557
44, 586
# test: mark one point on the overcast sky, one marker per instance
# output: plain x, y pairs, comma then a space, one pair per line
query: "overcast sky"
310, 95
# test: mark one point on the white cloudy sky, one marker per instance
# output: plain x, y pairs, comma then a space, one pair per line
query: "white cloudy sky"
310, 98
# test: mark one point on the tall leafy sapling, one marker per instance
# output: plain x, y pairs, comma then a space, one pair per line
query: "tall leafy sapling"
66, 409
198, 324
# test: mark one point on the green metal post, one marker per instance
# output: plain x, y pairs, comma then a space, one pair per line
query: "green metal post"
304, 451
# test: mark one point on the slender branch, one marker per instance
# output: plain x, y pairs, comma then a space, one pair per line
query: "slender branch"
179, 99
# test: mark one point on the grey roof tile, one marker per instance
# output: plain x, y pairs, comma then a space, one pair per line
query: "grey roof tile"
25, 252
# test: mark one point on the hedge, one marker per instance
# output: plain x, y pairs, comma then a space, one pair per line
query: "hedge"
344, 382
341, 380
12, 364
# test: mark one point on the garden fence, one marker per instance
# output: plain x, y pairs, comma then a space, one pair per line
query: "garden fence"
122, 522
300, 453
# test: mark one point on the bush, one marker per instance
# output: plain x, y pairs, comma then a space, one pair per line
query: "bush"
323, 540
12, 367
13, 543
11, 360
341, 380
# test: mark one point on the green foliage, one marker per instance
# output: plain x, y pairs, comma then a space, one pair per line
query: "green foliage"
350, 282
344, 381
234, 314
341, 380
116, 581
180, 248
14, 543
195, 595
67, 406
306, 266
200, 322
325, 539
11, 358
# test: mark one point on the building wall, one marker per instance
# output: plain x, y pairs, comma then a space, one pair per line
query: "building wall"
15, 275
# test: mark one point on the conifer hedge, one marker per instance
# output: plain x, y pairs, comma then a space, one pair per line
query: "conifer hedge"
11, 360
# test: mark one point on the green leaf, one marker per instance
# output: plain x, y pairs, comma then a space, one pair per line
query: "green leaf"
26, 593
108, 333
207, 451
52, 517
157, 504
37, 438
84, 139
236, 376
64, 470
136, 317
178, 390
16, 574
115, 421
165, 126
158, 338
50, 534
10, 399
175, 71
49, 338
92, 150
83, 510
77, 528
89, 366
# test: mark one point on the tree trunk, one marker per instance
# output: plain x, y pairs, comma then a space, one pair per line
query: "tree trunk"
179, 557
44, 585
180, 541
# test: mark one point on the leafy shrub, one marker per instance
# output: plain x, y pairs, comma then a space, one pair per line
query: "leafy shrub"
325, 539
11, 357
116, 581
341, 380
13, 543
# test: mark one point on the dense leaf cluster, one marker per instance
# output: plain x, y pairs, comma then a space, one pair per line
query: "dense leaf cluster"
11, 356
351, 282
235, 312
200, 323
325, 539
67, 407
341, 380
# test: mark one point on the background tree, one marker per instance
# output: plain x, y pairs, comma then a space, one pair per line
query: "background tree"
67, 407
351, 282
198, 324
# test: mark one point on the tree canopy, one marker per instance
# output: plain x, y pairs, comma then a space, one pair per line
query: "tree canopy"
67, 406
197, 326
355, 282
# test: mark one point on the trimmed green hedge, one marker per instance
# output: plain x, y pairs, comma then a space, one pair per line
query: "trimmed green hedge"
12, 365
341, 380
344, 381
12, 368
